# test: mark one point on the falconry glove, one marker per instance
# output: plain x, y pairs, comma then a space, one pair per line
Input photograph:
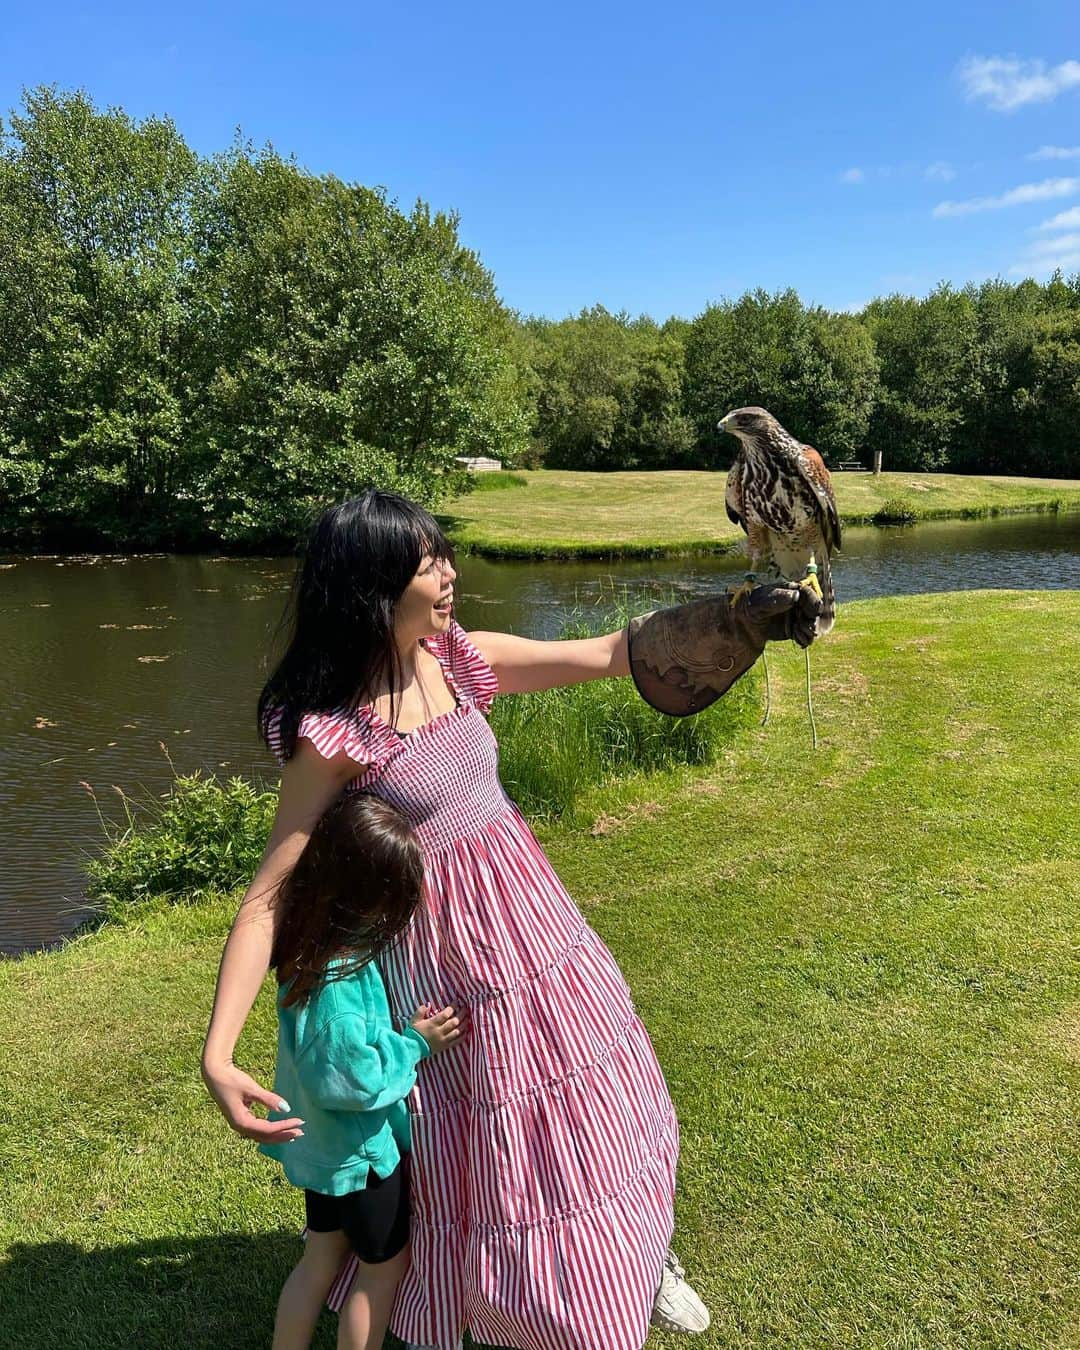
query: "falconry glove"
683, 659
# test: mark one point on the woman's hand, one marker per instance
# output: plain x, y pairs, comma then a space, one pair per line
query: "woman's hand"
236, 1092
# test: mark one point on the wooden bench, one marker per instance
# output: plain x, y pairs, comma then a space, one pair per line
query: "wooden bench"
851, 466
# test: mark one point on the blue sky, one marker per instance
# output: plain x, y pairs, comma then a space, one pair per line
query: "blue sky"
647, 157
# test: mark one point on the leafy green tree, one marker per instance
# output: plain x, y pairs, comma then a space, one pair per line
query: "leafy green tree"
340, 342
198, 350
1049, 403
840, 385
93, 212
609, 392
815, 371
1010, 421
975, 380
930, 375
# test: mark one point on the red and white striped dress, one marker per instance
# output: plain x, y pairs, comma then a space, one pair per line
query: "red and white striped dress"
545, 1143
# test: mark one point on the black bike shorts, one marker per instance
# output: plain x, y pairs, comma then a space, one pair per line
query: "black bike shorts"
375, 1219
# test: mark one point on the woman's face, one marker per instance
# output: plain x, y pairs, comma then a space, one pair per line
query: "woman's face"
426, 604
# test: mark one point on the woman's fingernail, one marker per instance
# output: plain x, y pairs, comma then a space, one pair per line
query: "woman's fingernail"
283, 1105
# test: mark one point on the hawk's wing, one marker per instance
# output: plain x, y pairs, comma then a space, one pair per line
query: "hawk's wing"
817, 477
733, 493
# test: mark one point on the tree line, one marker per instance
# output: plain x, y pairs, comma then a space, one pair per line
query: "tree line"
205, 349
984, 379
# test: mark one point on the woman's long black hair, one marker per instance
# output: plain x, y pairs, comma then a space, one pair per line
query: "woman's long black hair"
359, 558
349, 895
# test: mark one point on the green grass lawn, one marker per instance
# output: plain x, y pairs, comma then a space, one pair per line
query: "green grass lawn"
859, 967
560, 513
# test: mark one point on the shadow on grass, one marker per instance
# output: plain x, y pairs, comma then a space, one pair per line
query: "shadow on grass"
198, 1292
448, 522
203, 1293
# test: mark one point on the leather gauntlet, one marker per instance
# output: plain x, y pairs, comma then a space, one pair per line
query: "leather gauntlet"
683, 659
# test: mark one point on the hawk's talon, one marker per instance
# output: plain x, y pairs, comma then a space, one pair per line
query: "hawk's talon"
811, 583
744, 588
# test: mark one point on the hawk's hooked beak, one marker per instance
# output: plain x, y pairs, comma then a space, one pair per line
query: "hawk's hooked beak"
722, 425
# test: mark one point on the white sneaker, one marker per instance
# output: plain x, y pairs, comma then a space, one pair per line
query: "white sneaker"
677, 1307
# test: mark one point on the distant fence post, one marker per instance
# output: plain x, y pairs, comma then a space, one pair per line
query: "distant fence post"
877, 461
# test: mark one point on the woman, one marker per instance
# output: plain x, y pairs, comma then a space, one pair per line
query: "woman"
544, 1151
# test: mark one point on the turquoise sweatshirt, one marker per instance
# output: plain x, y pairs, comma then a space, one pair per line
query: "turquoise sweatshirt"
345, 1072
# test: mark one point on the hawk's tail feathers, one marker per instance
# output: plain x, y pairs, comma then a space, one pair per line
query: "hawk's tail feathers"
827, 617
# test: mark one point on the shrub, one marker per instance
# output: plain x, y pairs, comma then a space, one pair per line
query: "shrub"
495, 482
205, 837
896, 511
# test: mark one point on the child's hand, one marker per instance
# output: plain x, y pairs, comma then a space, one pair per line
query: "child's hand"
441, 1030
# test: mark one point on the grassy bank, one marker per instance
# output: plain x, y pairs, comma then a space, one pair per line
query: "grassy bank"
559, 513
859, 968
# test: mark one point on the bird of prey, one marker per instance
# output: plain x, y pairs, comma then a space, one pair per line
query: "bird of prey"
781, 493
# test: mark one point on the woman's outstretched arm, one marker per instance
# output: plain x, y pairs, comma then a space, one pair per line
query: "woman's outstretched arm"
309, 783
523, 665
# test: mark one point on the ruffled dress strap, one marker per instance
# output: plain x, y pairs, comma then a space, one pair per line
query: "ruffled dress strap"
468, 675
366, 740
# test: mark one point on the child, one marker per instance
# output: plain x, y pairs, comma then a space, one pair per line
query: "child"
343, 1068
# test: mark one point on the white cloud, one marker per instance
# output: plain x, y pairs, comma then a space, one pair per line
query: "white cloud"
1059, 255
1068, 264
1007, 83
1052, 248
941, 171
1064, 220
1046, 256
1056, 152
1048, 189
852, 176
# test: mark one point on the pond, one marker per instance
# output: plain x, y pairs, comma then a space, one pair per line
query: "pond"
118, 668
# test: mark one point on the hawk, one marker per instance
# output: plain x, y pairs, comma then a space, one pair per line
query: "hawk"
781, 493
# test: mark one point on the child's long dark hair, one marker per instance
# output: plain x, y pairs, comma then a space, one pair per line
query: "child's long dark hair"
350, 894
359, 558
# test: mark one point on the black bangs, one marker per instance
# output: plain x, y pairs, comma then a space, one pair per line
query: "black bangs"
401, 531
424, 529
440, 548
